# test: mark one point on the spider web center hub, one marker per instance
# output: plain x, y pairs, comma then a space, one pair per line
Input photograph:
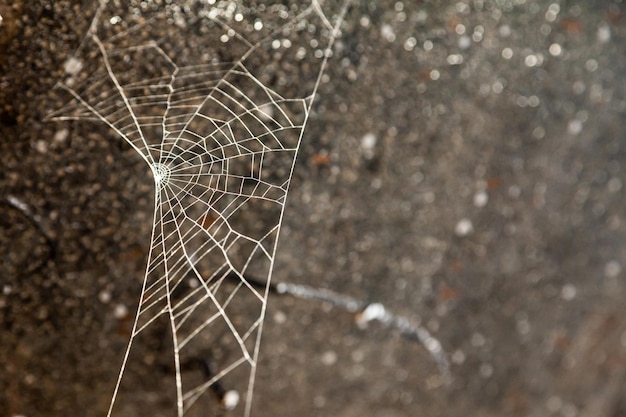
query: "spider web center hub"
161, 173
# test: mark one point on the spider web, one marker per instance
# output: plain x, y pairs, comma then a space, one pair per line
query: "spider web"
189, 87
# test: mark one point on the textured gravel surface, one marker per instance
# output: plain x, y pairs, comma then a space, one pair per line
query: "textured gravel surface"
465, 166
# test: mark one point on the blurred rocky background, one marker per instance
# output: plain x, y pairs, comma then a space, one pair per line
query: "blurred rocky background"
464, 165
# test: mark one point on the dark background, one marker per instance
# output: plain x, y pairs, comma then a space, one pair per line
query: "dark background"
528, 304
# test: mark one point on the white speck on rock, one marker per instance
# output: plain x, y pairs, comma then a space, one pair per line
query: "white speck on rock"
41, 146
614, 185
120, 312
486, 370
387, 33
481, 198
73, 65
575, 126
612, 269
230, 399
329, 358
604, 33
104, 296
61, 136
568, 292
266, 112
280, 317
368, 141
464, 227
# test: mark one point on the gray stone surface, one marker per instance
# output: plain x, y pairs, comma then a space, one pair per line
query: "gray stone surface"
464, 165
